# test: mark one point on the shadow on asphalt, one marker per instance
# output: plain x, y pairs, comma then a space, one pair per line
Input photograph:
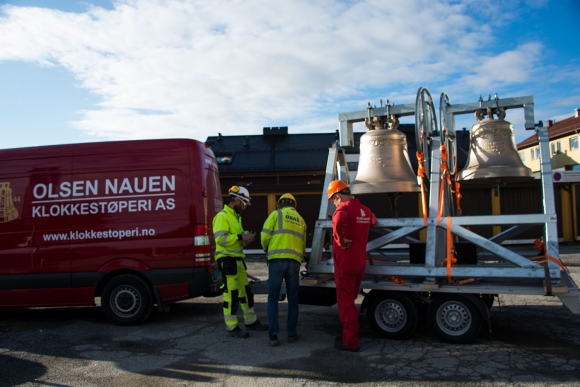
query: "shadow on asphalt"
15, 371
529, 328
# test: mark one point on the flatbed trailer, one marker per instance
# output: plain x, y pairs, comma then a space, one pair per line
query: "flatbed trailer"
457, 297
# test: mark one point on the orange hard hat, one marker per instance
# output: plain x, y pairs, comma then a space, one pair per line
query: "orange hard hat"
335, 186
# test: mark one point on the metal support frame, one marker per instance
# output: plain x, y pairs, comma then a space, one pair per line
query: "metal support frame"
509, 272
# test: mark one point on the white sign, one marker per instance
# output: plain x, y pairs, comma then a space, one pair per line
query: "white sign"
566, 177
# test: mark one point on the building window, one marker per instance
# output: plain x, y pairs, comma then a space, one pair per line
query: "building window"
532, 153
538, 152
522, 156
556, 147
574, 143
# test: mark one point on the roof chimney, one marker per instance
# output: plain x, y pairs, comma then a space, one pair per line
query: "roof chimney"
276, 131
576, 113
550, 123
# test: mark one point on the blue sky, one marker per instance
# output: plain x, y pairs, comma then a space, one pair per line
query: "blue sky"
78, 71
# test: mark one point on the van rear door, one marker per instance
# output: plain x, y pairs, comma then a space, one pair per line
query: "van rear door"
205, 165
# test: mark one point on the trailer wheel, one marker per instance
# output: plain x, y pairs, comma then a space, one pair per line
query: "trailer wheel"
127, 300
392, 315
454, 319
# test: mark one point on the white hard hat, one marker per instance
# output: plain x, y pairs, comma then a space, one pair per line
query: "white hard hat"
241, 193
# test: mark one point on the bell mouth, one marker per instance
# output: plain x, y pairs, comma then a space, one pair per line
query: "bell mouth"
383, 187
497, 175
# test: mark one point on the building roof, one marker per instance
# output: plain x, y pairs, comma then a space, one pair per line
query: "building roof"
560, 129
278, 151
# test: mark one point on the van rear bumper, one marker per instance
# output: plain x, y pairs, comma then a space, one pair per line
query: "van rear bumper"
180, 284
205, 282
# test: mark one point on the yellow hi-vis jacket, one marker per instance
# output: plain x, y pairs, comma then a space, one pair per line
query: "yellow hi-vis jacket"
284, 235
227, 225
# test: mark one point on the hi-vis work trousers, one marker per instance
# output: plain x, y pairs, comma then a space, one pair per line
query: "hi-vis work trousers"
237, 291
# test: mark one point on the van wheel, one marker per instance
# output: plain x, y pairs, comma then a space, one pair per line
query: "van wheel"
126, 300
454, 319
392, 315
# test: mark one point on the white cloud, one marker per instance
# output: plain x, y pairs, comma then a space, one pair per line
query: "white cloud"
165, 68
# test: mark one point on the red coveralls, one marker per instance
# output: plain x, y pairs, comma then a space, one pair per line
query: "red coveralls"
352, 221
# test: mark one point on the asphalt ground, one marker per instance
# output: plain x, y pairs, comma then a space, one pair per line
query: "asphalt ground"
535, 342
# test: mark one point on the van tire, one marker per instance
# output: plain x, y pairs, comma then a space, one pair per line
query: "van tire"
127, 300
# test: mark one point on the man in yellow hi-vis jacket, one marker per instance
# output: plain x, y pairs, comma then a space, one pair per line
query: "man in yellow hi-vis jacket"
230, 240
283, 238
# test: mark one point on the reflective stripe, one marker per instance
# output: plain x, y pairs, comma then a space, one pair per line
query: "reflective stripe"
285, 231
218, 234
225, 251
296, 234
229, 317
226, 225
285, 251
249, 316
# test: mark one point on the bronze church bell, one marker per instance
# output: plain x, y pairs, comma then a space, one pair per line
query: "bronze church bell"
493, 154
8, 211
384, 164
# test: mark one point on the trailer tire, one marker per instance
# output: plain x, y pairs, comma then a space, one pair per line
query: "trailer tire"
454, 319
392, 315
127, 300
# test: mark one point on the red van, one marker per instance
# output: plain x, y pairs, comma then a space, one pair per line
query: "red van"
127, 221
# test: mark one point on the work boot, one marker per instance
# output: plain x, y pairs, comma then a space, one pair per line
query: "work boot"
273, 340
240, 334
292, 338
257, 326
342, 347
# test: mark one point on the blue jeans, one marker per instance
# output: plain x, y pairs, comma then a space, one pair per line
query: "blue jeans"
288, 270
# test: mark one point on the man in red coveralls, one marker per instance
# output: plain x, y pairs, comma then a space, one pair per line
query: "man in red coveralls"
350, 231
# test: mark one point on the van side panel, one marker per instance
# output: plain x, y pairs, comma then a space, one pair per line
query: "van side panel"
72, 216
142, 221
33, 272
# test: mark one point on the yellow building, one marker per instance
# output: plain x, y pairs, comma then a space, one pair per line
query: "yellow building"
564, 147
565, 160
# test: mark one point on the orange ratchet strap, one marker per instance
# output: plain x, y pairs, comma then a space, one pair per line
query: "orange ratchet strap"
556, 261
421, 174
450, 260
541, 247
396, 280
458, 196
444, 176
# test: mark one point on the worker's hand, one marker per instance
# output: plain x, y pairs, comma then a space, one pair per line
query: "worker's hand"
346, 243
248, 238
